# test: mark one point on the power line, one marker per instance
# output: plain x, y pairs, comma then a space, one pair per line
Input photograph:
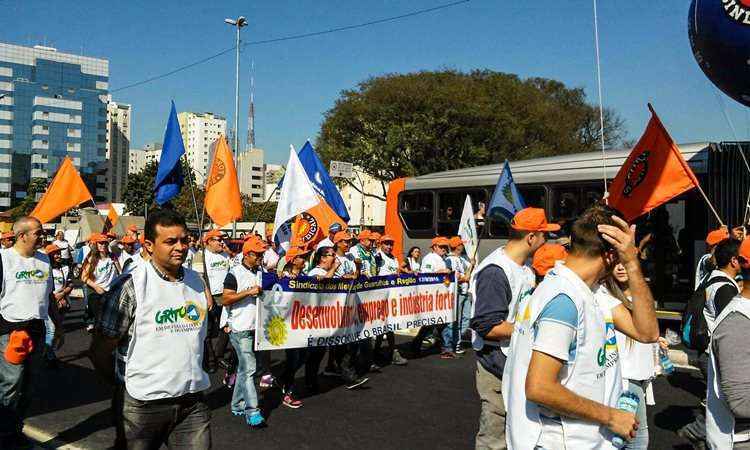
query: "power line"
289, 38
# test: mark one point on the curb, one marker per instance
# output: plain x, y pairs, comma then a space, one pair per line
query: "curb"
47, 440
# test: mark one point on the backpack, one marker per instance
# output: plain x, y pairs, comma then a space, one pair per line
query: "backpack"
694, 327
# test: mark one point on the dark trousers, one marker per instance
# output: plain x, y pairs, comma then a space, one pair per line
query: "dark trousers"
93, 305
295, 358
355, 359
179, 423
118, 399
391, 339
15, 387
424, 332
312, 365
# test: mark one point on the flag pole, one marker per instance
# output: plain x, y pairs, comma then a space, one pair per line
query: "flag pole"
708, 202
601, 104
265, 206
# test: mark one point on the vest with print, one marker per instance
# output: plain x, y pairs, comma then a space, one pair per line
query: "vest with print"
389, 264
521, 287
27, 284
165, 352
585, 376
719, 418
242, 315
217, 266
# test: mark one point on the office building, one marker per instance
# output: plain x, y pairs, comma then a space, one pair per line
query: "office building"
199, 133
52, 105
250, 174
364, 210
118, 149
141, 157
273, 174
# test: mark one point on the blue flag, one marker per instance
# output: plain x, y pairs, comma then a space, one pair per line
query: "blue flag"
321, 181
506, 200
169, 174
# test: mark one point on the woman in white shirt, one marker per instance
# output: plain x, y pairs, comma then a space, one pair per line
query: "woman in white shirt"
637, 360
98, 272
412, 262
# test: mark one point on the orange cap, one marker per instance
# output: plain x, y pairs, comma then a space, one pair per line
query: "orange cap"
745, 253
212, 234
546, 256
386, 238
375, 236
133, 228
8, 235
532, 219
19, 346
716, 236
254, 245
342, 236
51, 248
455, 241
127, 240
441, 241
98, 237
364, 234
110, 235
294, 252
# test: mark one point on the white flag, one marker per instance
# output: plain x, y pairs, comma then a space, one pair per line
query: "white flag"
297, 193
467, 229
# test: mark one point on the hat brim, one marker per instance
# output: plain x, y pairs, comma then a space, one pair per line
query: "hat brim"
548, 228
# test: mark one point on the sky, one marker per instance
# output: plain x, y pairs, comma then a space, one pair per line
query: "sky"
645, 56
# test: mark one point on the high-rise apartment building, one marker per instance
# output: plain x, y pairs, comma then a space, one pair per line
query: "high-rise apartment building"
141, 157
118, 149
52, 105
250, 173
273, 174
199, 132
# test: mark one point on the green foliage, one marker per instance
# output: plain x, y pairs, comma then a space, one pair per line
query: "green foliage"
27, 204
259, 212
412, 124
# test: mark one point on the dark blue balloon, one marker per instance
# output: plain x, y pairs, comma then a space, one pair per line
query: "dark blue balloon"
719, 33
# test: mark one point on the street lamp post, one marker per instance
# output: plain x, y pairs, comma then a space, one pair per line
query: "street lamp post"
240, 22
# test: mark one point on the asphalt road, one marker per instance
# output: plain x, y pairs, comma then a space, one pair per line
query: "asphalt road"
431, 403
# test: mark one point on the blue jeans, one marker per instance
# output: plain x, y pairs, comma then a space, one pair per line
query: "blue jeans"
15, 388
244, 397
451, 334
49, 338
640, 441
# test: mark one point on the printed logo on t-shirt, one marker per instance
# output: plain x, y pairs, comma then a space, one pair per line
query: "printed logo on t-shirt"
34, 276
179, 319
610, 345
104, 268
218, 265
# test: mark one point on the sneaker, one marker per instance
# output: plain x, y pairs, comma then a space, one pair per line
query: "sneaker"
238, 413
375, 368
291, 402
89, 328
428, 343
460, 351
356, 383
255, 420
398, 359
332, 372
267, 381
229, 380
448, 355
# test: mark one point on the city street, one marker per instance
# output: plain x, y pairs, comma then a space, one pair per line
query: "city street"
429, 403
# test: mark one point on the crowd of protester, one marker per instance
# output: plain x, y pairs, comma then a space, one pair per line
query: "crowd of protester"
563, 327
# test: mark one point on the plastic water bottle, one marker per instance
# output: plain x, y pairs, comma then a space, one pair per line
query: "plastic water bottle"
667, 368
628, 401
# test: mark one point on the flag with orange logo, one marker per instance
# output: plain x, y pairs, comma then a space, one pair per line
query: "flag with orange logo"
223, 202
66, 191
112, 218
311, 226
654, 173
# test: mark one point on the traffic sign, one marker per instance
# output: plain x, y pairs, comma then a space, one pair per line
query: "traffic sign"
341, 169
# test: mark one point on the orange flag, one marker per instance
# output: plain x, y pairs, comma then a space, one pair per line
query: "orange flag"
393, 226
66, 191
223, 202
654, 173
112, 218
311, 226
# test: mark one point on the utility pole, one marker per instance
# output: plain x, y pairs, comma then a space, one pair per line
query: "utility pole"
240, 22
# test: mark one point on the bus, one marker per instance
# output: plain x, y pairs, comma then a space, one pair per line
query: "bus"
564, 186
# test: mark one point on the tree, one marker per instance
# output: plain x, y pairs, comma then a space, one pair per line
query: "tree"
27, 204
412, 124
139, 192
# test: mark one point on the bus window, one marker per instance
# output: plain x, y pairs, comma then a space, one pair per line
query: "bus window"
567, 204
416, 210
450, 208
534, 196
592, 195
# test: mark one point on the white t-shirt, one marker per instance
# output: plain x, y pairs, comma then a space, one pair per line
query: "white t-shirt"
217, 266
346, 266
64, 248
414, 265
60, 276
188, 264
388, 264
27, 283
709, 311
105, 272
433, 262
243, 313
317, 272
